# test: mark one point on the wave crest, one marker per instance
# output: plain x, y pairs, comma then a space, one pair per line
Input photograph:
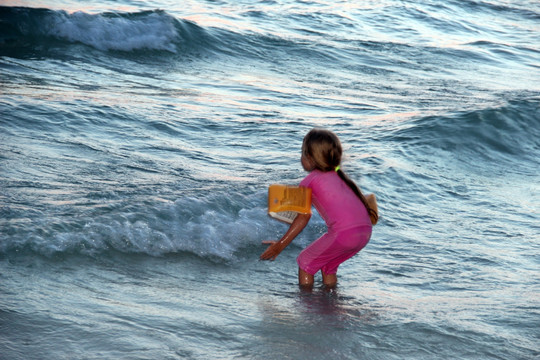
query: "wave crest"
152, 30
214, 227
507, 130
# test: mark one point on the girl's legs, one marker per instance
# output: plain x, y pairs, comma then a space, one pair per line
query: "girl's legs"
305, 279
328, 252
330, 280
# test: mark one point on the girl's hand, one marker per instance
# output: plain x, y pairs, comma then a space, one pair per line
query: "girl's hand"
276, 247
273, 250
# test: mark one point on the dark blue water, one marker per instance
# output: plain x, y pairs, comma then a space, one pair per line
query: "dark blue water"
137, 142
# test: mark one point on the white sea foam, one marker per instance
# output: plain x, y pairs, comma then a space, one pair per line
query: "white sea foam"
154, 30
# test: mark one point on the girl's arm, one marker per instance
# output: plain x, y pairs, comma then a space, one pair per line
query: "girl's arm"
276, 247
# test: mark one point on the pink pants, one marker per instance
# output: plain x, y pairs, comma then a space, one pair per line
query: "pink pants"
330, 250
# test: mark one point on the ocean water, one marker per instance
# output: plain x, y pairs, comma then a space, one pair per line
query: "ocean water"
138, 139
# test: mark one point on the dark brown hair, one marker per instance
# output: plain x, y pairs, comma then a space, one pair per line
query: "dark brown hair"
324, 149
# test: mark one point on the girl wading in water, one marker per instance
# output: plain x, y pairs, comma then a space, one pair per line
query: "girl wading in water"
340, 203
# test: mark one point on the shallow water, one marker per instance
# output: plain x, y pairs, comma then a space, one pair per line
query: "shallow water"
137, 145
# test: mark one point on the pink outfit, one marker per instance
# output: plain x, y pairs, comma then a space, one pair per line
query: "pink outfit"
347, 219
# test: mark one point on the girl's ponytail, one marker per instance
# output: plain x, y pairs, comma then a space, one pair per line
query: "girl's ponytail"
372, 212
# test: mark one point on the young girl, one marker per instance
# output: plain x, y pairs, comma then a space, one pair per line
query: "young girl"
339, 202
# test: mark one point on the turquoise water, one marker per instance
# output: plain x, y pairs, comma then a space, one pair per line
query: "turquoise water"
138, 140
